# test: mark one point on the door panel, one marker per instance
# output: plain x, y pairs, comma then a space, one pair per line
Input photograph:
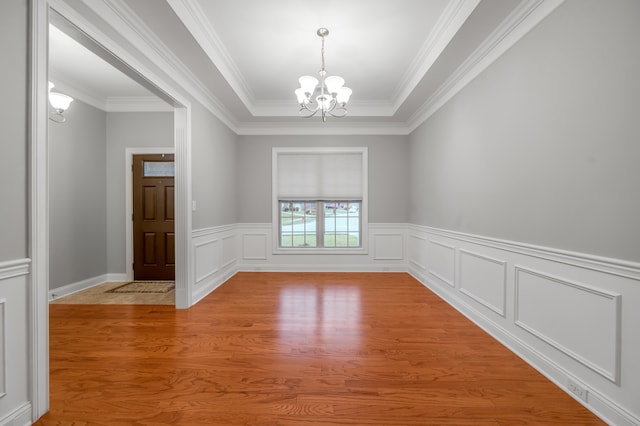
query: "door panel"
170, 247
153, 217
169, 208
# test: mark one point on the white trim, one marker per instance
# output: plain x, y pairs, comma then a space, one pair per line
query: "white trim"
128, 204
522, 20
38, 211
203, 232
519, 23
315, 267
126, 23
614, 375
137, 104
194, 19
452, 249
376, 256
244, 245
70, 89
65, 290
449, 23
117, 277
500, 310
3, 348
21, 416
618, 267
113, 103
184, 275
330, 128
14, 268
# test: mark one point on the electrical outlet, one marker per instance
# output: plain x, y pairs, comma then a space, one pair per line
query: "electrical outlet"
577, 389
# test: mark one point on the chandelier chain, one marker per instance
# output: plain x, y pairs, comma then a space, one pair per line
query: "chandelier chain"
322, 53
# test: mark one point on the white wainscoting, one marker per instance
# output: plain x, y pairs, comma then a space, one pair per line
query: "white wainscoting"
386, 252
215, 258
442, 261
590, 334
484, 279
574, 317
15, 408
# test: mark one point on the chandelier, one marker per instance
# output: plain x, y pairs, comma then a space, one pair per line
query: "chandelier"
333, 96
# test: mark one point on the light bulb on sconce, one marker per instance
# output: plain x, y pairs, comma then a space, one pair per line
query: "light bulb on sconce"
60, 103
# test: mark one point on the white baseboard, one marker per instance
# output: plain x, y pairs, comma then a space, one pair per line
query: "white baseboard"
21, 416
204, 288
116, 278
297, 267
68, 289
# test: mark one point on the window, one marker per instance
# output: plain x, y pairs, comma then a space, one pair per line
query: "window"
320, 199
320, 224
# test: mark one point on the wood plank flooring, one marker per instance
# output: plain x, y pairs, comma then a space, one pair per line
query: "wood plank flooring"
294, 349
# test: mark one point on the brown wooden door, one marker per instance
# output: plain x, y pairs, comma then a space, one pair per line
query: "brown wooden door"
153, 217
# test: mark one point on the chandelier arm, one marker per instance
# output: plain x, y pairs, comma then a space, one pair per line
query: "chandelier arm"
303, 115
341, 114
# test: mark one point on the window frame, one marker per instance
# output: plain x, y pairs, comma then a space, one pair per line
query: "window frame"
320, 223
364, 202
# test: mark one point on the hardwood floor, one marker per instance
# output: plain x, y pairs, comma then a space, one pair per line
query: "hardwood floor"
294, 349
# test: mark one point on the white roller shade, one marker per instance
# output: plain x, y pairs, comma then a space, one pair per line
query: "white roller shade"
320, 176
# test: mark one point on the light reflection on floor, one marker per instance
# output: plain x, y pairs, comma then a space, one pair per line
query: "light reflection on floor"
321, 316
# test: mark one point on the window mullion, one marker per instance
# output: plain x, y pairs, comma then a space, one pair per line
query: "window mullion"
320, 224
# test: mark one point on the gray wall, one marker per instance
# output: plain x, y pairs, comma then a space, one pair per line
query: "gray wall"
77, 185
13, 138
388, 173
543, 146
127, 130
213, 170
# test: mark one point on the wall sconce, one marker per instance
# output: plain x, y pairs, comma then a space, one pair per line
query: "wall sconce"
60, 103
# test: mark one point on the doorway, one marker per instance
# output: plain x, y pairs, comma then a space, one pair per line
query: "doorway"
153, 217
40, 14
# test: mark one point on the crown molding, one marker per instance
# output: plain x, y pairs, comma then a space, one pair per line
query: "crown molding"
63, 86
118, 15
522, 20
448, 24
194, 19
136, 104
112, 103
526, 16
287, 108
175, 68
335, 128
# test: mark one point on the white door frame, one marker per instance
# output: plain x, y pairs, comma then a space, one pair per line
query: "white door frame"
128, 206
39, 184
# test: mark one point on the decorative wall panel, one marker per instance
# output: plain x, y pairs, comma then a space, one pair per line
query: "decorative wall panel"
484, 279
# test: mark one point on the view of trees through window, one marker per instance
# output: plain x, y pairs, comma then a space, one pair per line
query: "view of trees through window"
317, 224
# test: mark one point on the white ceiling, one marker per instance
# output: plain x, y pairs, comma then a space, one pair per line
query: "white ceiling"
398, 56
